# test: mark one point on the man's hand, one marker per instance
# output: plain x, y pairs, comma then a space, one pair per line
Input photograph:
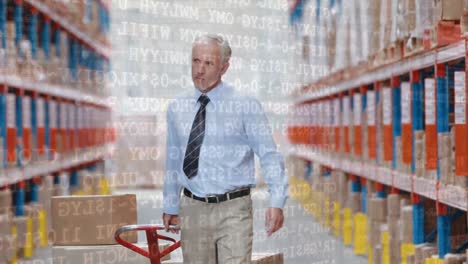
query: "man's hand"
170, 220
274, 220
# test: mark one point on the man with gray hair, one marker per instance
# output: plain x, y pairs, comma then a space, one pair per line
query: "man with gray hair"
213, 163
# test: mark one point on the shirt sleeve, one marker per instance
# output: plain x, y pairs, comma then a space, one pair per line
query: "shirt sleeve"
172, 187
260, 139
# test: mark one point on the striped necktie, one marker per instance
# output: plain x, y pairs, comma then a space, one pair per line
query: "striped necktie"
192, 153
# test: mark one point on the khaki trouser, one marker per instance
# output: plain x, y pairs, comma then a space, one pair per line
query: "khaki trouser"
216, 233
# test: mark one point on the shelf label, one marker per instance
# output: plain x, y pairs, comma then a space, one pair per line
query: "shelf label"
406, 103
346, 111
460, 98
53, 114
337, 113
26, 108
40, 116
371, 108
357, 109
387, 105
11, 111
429, 101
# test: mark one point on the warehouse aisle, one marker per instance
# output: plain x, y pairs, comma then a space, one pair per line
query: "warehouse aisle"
302, 240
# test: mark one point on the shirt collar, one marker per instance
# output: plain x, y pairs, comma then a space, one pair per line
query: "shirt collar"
214, 94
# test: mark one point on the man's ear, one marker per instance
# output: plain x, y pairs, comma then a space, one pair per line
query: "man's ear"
224, 68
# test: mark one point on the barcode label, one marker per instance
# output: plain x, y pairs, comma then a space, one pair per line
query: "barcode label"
371, 108
429, 92
406, 103
460, 98
387, 105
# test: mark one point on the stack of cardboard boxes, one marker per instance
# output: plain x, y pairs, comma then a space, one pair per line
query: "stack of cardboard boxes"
84, 228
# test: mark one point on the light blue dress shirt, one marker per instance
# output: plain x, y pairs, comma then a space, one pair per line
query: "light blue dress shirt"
236, 128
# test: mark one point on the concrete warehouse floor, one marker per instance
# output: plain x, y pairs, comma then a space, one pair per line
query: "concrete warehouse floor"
302, 240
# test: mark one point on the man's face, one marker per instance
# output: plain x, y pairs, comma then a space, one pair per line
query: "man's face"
207, 67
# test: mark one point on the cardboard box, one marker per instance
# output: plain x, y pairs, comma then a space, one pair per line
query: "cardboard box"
449, 9
355, 202
424, 251
407, 224
393, 204
5, 201
21, 230
7, 240
115, 254
378, 209
93, 219
377, 254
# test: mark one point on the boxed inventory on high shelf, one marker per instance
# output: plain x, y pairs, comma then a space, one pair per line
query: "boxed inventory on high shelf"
55, 121
379, 146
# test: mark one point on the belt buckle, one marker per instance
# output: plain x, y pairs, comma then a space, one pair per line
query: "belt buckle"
211, 196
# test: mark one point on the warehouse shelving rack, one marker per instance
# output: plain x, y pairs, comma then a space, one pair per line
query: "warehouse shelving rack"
90, 138
405, 77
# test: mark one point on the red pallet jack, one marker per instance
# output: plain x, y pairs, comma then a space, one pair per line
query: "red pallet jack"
152, 236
